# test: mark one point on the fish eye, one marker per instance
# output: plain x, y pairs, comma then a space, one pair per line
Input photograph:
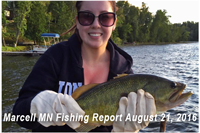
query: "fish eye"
173, 85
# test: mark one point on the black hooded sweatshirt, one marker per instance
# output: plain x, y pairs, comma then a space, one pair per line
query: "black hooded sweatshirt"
59, 66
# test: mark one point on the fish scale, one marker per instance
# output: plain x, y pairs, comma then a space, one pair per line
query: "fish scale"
104, 98
101, 96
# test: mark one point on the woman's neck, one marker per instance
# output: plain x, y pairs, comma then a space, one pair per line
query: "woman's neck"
96, 64
94, 56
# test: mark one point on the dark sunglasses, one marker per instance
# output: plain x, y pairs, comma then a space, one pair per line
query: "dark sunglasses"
105, 19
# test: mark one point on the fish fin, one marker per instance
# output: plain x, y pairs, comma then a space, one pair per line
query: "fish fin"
85, 127
124, 94
79, 91
120, 75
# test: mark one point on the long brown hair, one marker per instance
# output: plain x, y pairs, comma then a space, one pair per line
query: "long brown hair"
113, 4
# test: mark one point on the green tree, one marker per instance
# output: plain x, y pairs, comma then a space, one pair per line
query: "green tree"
120, 20
4, 6
133, 20
185, 34
124, 31
176, 32
145, 19
123, 27
4, 21
196, 32
23, 9
193, 28
66, 18
133, 23
37, 20
159, 28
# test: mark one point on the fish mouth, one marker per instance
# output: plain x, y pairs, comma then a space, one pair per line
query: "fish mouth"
175, 99
179, 97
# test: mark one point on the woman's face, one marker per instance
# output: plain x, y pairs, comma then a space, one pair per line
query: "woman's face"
95, 35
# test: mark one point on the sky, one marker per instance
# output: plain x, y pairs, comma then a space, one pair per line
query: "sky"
179, 10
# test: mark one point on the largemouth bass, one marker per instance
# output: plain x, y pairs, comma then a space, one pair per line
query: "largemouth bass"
103, 98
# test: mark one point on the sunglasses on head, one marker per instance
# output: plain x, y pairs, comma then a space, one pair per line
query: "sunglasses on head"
106, 19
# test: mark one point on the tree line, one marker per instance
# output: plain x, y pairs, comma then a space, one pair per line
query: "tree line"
134, 24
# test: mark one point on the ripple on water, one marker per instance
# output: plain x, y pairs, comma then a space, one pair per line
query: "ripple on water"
178, 62
15, 69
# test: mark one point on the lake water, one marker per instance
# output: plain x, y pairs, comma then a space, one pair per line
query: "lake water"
178, 62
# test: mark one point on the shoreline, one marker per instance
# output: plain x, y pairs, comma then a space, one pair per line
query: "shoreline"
120, 45
153, 43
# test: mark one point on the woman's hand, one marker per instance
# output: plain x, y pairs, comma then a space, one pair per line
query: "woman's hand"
142, 104
50, 102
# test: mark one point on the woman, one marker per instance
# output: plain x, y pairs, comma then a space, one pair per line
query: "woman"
89, 56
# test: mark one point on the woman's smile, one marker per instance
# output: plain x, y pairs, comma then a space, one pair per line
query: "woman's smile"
95, 34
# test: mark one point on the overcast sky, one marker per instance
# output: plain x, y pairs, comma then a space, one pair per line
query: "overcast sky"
179, 10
